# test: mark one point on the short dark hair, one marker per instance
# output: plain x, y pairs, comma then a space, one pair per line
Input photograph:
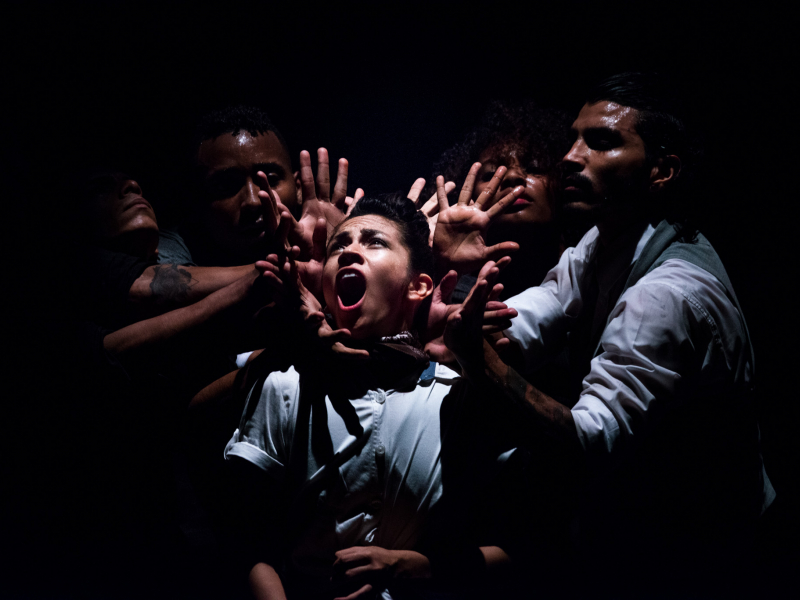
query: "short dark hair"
413, 226
660, 121
543, 134
234, 119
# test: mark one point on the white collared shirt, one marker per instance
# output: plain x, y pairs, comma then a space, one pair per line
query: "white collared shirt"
675, 331
383, 494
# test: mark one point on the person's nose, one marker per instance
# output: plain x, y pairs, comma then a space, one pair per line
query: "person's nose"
351, 255
130, 186
575, 159
513, 177
250, 199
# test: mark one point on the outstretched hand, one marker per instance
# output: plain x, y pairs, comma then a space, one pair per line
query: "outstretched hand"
459, 241
495, 318
318, 201
430, 208
479, 315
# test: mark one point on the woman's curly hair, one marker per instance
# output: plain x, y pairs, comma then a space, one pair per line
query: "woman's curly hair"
542, 134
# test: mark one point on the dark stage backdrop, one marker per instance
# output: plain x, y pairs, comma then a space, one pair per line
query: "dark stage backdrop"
390, 86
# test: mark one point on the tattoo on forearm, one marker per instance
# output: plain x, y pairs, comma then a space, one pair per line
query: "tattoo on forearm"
171, 284
547, 411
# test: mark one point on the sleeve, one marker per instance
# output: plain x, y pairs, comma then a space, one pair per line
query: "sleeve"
99, 286
547, 312
172, 249
264, 436
108, 276
659, 336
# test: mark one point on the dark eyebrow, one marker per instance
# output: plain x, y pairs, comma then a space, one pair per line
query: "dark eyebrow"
217, 172
269, 166
367, 233
603, 131
336, 238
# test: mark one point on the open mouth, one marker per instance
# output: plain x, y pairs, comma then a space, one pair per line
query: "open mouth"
350, 288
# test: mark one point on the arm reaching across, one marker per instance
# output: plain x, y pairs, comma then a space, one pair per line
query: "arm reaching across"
496, 317
248, 294
459, 241
481, 364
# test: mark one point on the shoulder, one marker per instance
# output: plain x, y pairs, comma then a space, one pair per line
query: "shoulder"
265, 433
679, 308
172, 248
678, 281
446, 375
281, 388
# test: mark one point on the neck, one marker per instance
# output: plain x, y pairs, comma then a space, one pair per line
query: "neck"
612, 227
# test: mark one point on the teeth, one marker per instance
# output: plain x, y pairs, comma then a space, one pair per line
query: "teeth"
349, 275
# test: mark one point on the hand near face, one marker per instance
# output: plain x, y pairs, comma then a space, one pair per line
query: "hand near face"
479, 315
286, 276
377, 567
496, 315
459, 241
318, 202
430, 208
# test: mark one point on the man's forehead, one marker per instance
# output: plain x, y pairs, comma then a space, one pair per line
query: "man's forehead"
606, 114
242, 149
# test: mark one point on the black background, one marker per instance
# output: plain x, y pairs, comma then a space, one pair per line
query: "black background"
391, 86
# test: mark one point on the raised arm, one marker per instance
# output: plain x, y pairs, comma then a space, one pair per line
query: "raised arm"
481, 364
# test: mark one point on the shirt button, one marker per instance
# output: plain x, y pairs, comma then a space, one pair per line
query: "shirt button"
380, 451
380, 399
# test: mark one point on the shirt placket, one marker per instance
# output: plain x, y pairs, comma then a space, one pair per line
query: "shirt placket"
378, 450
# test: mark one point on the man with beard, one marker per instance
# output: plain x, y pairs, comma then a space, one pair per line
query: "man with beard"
664, 426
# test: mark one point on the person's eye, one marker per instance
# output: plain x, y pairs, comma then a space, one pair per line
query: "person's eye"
487, 175
601, 141
224, 186
274, 179
534, 169
378, 242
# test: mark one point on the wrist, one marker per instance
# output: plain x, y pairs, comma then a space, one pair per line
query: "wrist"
471, 360
412, 565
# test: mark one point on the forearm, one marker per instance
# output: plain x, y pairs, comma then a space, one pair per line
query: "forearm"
170, 326
168, 286
489, 372
265, 583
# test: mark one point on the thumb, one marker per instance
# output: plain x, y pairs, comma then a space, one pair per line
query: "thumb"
447, 285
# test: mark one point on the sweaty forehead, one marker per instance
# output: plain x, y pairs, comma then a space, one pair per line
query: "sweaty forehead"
242, 150
605, 114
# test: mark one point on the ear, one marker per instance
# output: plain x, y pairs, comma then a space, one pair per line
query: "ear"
420, 287
666, 169
298, 188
